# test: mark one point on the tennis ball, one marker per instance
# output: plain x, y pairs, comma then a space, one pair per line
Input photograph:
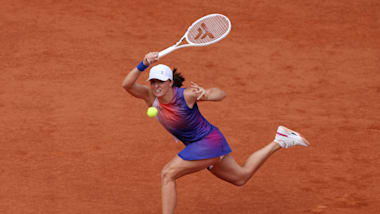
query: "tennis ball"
152, 111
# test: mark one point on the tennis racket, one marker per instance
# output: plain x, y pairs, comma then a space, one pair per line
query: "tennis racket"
205, 31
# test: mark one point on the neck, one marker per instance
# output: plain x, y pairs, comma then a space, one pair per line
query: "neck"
167, 97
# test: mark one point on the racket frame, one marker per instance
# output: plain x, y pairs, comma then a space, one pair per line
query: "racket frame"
191, 44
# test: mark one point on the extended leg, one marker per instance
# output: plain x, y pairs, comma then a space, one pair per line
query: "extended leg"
230, 171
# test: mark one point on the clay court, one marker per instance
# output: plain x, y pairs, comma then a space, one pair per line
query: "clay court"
73, 141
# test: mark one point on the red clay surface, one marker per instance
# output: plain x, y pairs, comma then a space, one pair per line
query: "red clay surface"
73, 142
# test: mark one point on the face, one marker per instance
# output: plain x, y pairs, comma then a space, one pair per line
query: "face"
160, 88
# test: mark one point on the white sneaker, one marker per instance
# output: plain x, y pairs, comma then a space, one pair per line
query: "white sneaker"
287, 138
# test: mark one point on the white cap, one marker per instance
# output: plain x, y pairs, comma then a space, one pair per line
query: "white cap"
161, 72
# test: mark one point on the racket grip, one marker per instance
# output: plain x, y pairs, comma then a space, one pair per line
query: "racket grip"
166, 51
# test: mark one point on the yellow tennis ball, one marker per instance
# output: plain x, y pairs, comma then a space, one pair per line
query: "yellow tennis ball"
152, 111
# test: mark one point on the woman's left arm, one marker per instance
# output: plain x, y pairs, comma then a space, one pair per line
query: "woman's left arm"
198, 93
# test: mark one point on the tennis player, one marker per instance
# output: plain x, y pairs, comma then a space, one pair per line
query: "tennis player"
205, 145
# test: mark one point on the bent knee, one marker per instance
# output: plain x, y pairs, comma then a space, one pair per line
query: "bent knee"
167, 175
240, 182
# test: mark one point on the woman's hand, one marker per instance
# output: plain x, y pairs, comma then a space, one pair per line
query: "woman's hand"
199, 91
150, 58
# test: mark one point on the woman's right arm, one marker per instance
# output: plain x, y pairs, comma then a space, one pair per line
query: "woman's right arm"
135, 89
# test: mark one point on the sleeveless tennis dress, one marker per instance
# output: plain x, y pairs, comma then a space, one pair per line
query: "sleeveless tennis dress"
202, 140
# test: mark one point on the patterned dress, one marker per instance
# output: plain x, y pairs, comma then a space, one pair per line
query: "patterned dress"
202, 139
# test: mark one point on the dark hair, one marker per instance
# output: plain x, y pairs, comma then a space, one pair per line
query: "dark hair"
178, 79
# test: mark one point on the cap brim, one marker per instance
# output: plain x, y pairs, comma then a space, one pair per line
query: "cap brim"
163, 78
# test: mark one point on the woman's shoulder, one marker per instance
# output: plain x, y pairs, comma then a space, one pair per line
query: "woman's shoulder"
189, 96
186, 91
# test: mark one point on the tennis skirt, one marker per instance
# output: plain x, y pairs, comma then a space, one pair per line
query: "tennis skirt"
211, 146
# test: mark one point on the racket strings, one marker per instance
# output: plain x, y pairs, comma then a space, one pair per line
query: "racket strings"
208, 30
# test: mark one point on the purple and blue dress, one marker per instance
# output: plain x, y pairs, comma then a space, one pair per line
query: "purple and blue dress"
202, 140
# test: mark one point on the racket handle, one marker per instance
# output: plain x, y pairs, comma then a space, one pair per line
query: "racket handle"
166, 51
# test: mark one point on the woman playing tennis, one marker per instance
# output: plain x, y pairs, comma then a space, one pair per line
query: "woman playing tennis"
205, 145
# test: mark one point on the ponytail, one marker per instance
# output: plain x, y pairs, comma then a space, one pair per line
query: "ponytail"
178, 79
